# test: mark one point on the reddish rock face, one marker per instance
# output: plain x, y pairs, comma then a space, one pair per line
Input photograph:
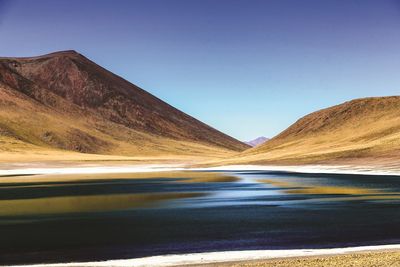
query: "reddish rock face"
91, 88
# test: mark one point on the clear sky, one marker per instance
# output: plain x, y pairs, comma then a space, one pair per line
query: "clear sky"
246, 67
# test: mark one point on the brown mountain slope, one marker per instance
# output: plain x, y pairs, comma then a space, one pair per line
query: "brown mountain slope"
65, 101
366, 128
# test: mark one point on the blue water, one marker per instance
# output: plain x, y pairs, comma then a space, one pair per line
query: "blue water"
239, 215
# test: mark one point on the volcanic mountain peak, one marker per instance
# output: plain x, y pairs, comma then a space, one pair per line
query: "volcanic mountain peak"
70, 84
62, 53
69, 53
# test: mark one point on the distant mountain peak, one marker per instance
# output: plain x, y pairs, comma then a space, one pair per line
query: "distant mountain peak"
258, 141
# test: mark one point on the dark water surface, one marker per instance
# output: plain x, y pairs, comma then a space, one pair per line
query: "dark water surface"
262, 210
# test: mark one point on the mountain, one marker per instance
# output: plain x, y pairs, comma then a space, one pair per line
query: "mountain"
64, 101
258, 141
363, 130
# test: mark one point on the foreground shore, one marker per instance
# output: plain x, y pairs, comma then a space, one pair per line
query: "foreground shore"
137, 167
383, 255
362, 259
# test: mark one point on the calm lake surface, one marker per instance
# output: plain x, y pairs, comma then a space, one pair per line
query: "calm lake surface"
98, 220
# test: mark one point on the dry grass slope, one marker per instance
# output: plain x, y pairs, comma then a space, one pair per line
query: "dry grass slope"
362, 130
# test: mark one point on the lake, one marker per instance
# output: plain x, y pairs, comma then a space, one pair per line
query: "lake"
122, 217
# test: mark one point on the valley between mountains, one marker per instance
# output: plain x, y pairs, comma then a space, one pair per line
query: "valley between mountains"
64, 107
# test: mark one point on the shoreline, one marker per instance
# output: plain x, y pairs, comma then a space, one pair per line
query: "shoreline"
224, 257
137, 168
90, 169
325, 169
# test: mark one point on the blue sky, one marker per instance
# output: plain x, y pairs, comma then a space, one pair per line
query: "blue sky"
246, 67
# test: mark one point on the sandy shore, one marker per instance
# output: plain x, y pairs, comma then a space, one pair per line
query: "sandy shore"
93, 169
330, 169
361, 259
253, 258
131, 168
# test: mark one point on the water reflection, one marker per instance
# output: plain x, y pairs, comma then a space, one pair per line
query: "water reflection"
85, 204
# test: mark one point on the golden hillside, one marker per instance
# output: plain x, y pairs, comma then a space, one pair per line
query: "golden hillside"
361, 129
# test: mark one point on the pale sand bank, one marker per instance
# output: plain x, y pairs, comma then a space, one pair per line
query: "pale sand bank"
101, 169
229, 257
360, 259
104, 168
328, 169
